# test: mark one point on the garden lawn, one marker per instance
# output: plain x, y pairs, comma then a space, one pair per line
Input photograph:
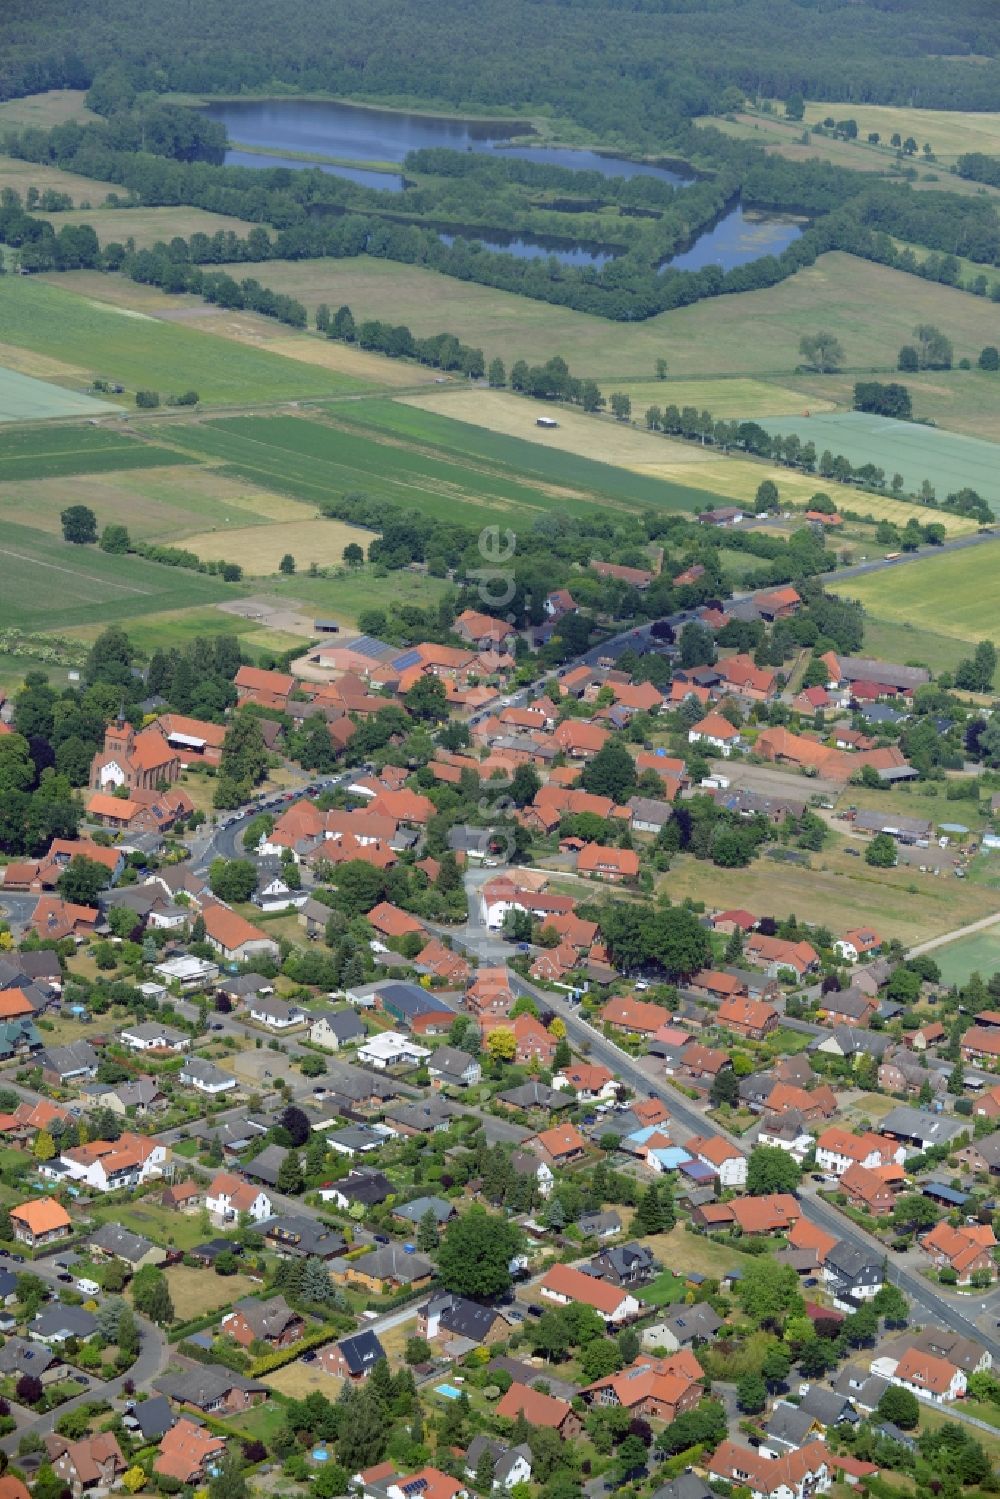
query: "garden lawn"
162, 1225
144, 353
195, 1293
679, 1249
979, 953
664, 1290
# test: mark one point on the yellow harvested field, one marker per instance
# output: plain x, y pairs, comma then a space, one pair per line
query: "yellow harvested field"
725, 399
311, 349
739, 479
298, 1380
949, 132
600, 438
195, 1294
42, 366
259, 549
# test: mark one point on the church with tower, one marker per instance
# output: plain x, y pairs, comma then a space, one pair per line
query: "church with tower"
140, 762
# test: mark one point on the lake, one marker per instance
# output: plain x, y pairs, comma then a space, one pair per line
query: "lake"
328, 128
738, 237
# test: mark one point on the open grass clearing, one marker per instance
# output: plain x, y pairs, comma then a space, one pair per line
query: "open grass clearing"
949, 460
725, 399
978, 953
20, 175
175, 628
140, 352
53, 107
49, 584
681, 1251
872, 310
949, 132
597, 437
958, 593
259, 549
147, 225
347, 595
664, 1290
838, 892
23, 398
195, 1293
916, 799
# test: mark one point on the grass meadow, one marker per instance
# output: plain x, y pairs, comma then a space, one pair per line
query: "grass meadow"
956, 594
26, 399
55, 106
949, 132
872, 310
979, 953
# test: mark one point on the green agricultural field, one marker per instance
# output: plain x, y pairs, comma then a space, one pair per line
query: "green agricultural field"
979, 953
871, 309
949, 132
958, 593
418, 458
49, 584
147, 225
965, 401
56, 452
145, 353
949, 460
24, 399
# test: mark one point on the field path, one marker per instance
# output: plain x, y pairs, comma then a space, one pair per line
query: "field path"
953, 936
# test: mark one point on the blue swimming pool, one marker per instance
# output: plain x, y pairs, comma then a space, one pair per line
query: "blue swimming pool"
448, 1391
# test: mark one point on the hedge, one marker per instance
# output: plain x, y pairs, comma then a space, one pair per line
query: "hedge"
272, 1361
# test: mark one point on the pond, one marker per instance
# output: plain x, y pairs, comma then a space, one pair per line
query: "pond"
386, 182
328, 128
737, 237
537, 248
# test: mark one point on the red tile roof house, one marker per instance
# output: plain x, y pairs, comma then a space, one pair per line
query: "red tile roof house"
966, 1249
186, 1450
857, 943
565, 1284
738, 920
752, 1019
389, 921
235, 938
587, 1080
560, 1146
635, 577
775, 1213
628, 1014
727, 1161
866, 1189
40, 1222
779, 603
980, 1044
700, 1065
91, 1463
660, 1388
755, 683
490, 993
539, 1409
925, 1375
716, 733
837, 1150
714, 984
266, 689
272, 1322
774, 953
482, 630
797, 1475
578, 739
615, 866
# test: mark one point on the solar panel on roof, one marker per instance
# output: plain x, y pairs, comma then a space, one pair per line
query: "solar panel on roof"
406, 660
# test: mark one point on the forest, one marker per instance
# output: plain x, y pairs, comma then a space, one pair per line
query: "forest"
630, 70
